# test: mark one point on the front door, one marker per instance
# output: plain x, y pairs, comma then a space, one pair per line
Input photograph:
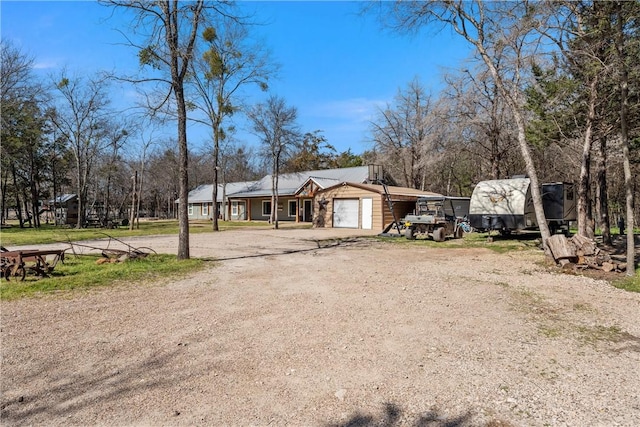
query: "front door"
307, 213
238, 210
367, 213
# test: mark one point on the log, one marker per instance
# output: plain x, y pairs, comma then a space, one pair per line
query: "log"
608, 266
584, 246
591, 260
560, 247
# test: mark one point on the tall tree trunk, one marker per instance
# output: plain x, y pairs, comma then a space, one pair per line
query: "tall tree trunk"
25, 200
511, 99
225, 208
585, 223
624, 136
35, 203
274, 195
132, 214
216, 167
140, 185
81, 209
536, 194
602, 199
54, 189
3, 206
183, 211
18, 201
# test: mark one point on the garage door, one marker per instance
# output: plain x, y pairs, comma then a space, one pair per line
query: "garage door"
345, 213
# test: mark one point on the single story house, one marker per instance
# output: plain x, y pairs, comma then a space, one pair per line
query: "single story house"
365, 206
200, 199
296, 193
328, 198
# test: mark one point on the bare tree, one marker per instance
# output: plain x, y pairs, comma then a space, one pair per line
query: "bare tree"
404, 136
162, 182
82, 119
496, 30
169, 30
239, 163
477, 107
22, 132
275, 124
16, 79
147, 140
116, 139
229, 64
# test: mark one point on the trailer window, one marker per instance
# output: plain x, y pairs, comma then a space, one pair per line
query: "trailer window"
570, 194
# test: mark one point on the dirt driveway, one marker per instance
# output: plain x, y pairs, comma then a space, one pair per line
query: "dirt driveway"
293, 328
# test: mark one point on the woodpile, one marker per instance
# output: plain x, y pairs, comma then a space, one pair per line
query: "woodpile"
579, 252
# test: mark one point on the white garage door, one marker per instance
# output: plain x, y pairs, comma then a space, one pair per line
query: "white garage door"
345, 213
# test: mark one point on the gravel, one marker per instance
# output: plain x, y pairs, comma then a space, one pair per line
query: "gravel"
314, 328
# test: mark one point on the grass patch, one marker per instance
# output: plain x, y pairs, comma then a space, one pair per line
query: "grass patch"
82, 272
583, 307
594, 334
474, 240
549, 331
631, 284
501, 244
47, 233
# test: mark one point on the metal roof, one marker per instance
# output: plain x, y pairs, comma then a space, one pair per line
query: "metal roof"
204, 193
290, 183
393, 191
63, 198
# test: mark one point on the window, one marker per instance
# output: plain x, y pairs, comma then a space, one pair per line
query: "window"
293, 206
190, 209
205, 209
570, 193
266, 207
234, 208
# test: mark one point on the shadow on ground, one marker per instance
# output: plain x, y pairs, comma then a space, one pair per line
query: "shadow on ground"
63, 396
392, 417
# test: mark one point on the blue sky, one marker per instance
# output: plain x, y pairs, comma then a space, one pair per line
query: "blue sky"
337, 68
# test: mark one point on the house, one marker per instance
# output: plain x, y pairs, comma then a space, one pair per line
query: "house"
200, 205
296, 193
329, 198
66, 209
365, 206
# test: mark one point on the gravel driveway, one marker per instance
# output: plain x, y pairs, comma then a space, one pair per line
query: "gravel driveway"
290, 327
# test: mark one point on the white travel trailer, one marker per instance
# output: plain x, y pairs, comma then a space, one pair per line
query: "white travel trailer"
506, 205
